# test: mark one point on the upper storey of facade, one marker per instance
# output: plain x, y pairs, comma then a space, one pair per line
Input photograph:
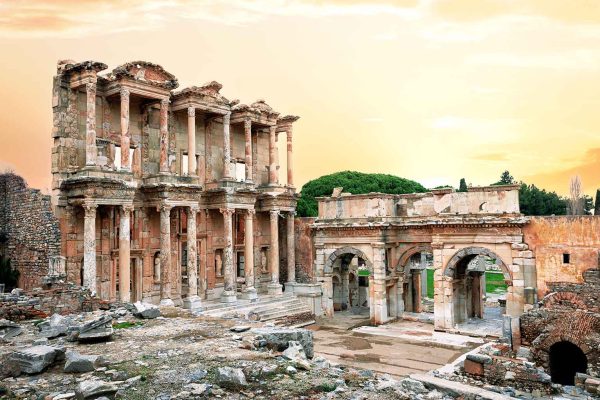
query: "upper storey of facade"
134, 127
489, 204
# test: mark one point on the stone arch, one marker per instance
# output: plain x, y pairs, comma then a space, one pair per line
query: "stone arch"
328, 268
476, 251
569, 300
403, 260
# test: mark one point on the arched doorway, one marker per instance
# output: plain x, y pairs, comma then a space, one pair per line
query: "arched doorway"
468, 269
349, 269
565, 360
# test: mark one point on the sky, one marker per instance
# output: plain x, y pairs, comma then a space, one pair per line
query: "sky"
431, 90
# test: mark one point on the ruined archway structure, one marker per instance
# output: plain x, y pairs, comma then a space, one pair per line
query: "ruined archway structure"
387, 230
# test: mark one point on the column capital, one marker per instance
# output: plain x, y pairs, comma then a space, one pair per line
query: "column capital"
273, 129
292, 214
193, 209
124, 92
250, 211
247, 123
90, 86
127, 208
164, 102
274, 213
191, 111
226, 118
227, 211
289, 133
90, 208
164, 207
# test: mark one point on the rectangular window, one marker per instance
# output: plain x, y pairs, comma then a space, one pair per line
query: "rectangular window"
566, 258
117, 161
184, 165
240, 171
240, 265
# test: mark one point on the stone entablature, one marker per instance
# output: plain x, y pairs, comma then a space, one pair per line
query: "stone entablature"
489, 200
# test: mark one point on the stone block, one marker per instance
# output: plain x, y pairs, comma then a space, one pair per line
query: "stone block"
473, 368
34, 360
279, 338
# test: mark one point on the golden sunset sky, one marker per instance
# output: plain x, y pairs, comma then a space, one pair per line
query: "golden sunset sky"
430, 90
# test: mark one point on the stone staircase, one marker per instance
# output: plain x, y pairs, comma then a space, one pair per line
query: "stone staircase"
286, 310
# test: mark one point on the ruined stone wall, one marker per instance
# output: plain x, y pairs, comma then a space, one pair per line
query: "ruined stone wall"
29, 230
305, 252
550, 238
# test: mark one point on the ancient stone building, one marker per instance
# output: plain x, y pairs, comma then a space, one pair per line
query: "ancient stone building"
29, 231
169, 195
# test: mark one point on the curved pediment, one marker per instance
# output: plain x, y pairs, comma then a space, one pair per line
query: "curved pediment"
208, 92
146, 72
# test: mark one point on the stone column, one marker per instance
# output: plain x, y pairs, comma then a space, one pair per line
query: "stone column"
192, 301
290, 169
164, 136
248, 136
229, 290
249, 291
124, 253
274, 287
424, 275
191, 141
291, 253
91, 152
226, 147
89, 247
378, 305
272, 156
125, 162
165, 255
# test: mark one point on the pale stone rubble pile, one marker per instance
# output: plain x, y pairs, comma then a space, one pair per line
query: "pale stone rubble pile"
178, 356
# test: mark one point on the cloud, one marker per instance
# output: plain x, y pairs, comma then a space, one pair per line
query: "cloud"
572, 59
571, 11
558, 180
490, 157
67, 18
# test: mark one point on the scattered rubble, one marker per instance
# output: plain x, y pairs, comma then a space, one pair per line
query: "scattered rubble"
146, 310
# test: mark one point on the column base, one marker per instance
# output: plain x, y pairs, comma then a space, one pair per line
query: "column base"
274, 289
228, 297
192, 303
249, 294
166, 303
289, 288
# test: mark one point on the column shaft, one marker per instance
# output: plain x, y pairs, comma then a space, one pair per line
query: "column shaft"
165, 255
164, 135
291, 250
226, 147
125, 140
272, 155
89, 247
229, 289
248, 154
290, 170
191, 141
124, 254
192, 250
91, 151
249, 290
275, 286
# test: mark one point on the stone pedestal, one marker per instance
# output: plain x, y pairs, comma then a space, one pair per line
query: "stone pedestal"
289, 288
249, 293
166, 303
192, 303
274, 289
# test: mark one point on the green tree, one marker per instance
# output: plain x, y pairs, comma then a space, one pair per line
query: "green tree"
505, 179
535, 201
8, 275
462, 186
352, 182
597, 205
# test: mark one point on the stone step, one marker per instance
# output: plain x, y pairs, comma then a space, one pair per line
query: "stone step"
285, 313
459, 388
263, 304
216, 305
293, 309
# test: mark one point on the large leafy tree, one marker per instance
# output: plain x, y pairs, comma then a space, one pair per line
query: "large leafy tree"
355, 183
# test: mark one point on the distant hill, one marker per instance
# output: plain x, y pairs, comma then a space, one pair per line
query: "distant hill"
355, 183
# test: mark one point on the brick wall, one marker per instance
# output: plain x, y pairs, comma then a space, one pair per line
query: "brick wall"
28, 228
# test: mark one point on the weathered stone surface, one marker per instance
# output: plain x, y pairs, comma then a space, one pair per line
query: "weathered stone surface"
279, 338
473, 367
79, 363
146, 310
55, 326
231, 377
94, 388
99, 328
34, 360
9, 329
